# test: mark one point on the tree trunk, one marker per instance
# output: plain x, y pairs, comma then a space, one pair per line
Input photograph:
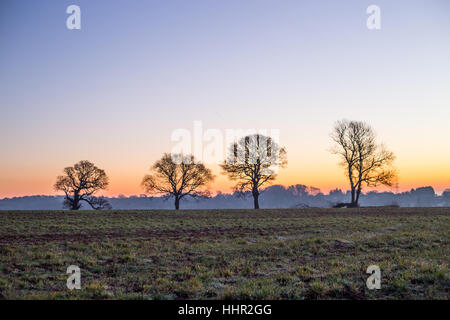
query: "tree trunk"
75, 202
353, 196
177, 203
256, 199
352, 186
358, 193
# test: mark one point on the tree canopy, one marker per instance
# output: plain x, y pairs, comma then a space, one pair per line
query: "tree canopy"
365, 162
178, 176
80, 182
253, 162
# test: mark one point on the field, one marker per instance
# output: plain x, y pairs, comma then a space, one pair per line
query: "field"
226, 254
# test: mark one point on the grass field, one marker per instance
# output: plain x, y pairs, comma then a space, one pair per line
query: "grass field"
226, 254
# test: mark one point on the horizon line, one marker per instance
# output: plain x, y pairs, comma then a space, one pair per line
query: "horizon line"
118, 196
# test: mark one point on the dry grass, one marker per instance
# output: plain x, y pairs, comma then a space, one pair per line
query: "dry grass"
226, 254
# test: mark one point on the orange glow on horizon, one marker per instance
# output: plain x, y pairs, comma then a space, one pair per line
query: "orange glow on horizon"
125, 174
128, 185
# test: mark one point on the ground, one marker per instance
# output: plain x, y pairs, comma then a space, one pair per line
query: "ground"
226, 254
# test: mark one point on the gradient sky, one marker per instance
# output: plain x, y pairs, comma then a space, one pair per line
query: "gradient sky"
114, 91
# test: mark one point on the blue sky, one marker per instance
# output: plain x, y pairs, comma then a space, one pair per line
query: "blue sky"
114, 91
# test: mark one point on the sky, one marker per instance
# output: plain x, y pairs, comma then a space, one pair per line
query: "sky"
114, 91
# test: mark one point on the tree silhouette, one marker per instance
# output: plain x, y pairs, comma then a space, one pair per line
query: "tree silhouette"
252, 162
178, 176
365, 162
79, 183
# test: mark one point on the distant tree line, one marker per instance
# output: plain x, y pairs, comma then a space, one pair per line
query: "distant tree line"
274, 196
251, 162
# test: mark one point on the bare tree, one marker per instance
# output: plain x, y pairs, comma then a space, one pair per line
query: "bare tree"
80, 182
365, 162
252, 161
178, 176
